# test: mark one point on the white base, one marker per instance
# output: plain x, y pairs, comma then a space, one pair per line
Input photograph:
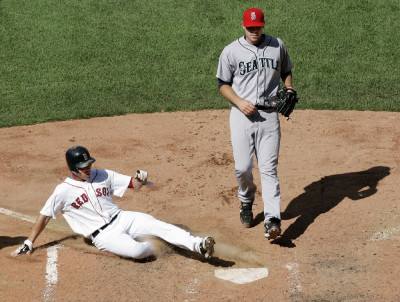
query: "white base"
241, 275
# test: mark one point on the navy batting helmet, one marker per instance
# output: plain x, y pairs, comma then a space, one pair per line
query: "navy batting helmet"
78, 157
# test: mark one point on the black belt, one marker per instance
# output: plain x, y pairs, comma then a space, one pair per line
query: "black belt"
95, 233
268, 104
266, 108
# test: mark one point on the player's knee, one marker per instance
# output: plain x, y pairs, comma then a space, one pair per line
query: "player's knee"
268, 170
141, 250
268, 173
243, 170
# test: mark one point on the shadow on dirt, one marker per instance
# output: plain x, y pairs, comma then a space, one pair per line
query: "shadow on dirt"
58, 241
215, 261
6, 241
323, 195
258, 219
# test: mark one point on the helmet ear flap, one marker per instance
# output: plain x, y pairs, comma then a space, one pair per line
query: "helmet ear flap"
69, 156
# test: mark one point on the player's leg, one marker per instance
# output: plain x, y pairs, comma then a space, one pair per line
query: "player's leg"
242, 139
113, 240
267, 151
140, 225
243, 150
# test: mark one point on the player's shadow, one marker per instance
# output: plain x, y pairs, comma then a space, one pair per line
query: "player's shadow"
55, 242
6, 241
215, 261
323, 195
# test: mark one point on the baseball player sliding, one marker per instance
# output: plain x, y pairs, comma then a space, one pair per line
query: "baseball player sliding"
85, 201
249, 73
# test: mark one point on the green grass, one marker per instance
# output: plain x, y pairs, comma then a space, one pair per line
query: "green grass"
77, 59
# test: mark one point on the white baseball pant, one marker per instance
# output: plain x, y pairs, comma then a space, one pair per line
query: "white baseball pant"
120, 236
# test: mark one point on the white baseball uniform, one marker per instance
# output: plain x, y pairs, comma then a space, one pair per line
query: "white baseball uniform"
254, 72
87, 207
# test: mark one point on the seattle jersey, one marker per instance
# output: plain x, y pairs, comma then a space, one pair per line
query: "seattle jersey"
254, 71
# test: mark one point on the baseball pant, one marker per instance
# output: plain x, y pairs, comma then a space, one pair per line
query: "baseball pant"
120, 237
257, 135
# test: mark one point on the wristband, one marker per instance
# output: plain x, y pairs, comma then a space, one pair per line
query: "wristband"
29, 244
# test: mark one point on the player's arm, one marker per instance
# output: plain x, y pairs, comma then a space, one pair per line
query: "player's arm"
27, 247
134, 184
287, 80
227, 92
39, 226
138, 180
363, 193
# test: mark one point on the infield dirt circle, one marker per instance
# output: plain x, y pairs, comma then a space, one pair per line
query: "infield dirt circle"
339, 174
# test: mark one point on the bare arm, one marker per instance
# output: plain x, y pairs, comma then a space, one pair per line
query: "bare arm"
139, 180
288, 80
245, 106
134, 184
27, 246
39, 226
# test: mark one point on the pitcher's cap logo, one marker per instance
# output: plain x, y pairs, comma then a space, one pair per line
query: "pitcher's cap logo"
253, 16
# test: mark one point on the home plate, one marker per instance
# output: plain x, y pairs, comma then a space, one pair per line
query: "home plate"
241, 275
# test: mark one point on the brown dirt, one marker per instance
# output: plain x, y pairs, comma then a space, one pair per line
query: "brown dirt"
339, 175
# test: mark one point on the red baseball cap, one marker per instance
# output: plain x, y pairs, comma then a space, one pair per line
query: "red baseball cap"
253, 17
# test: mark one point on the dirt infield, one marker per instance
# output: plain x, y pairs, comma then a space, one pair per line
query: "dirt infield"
339, 174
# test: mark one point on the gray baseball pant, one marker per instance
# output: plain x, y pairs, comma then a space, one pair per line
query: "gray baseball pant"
257, 135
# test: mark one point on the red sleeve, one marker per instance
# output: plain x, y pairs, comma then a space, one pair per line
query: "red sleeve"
131, 186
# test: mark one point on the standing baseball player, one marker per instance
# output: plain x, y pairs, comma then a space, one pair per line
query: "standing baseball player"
250, 70
85, 201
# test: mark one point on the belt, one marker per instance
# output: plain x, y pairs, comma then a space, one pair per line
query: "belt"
268, 104
95, 233
266, 108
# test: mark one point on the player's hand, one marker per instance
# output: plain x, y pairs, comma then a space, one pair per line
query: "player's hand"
141, 176
247, 108
25, 248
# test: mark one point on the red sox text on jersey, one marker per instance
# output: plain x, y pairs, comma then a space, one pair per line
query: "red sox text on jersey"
83, 198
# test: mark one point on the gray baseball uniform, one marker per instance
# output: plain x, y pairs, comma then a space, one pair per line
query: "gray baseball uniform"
254, 72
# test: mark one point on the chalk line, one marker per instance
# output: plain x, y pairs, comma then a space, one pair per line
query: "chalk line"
51, 274
385, 234
52, 255
17, 215
294, 279
192, 290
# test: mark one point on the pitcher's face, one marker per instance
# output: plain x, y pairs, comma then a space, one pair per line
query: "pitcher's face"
253, 34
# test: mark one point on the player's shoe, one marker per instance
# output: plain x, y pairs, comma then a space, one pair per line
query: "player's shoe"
207, 247
246, 214
272, 228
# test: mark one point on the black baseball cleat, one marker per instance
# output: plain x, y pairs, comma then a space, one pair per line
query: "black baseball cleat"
272, 228
207, 247
246, 214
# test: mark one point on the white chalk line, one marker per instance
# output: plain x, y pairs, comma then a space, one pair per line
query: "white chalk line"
17, 215
52, 255
295, 288
51, 274
192, 289
385, 234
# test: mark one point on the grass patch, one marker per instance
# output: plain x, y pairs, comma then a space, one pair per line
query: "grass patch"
79, 59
